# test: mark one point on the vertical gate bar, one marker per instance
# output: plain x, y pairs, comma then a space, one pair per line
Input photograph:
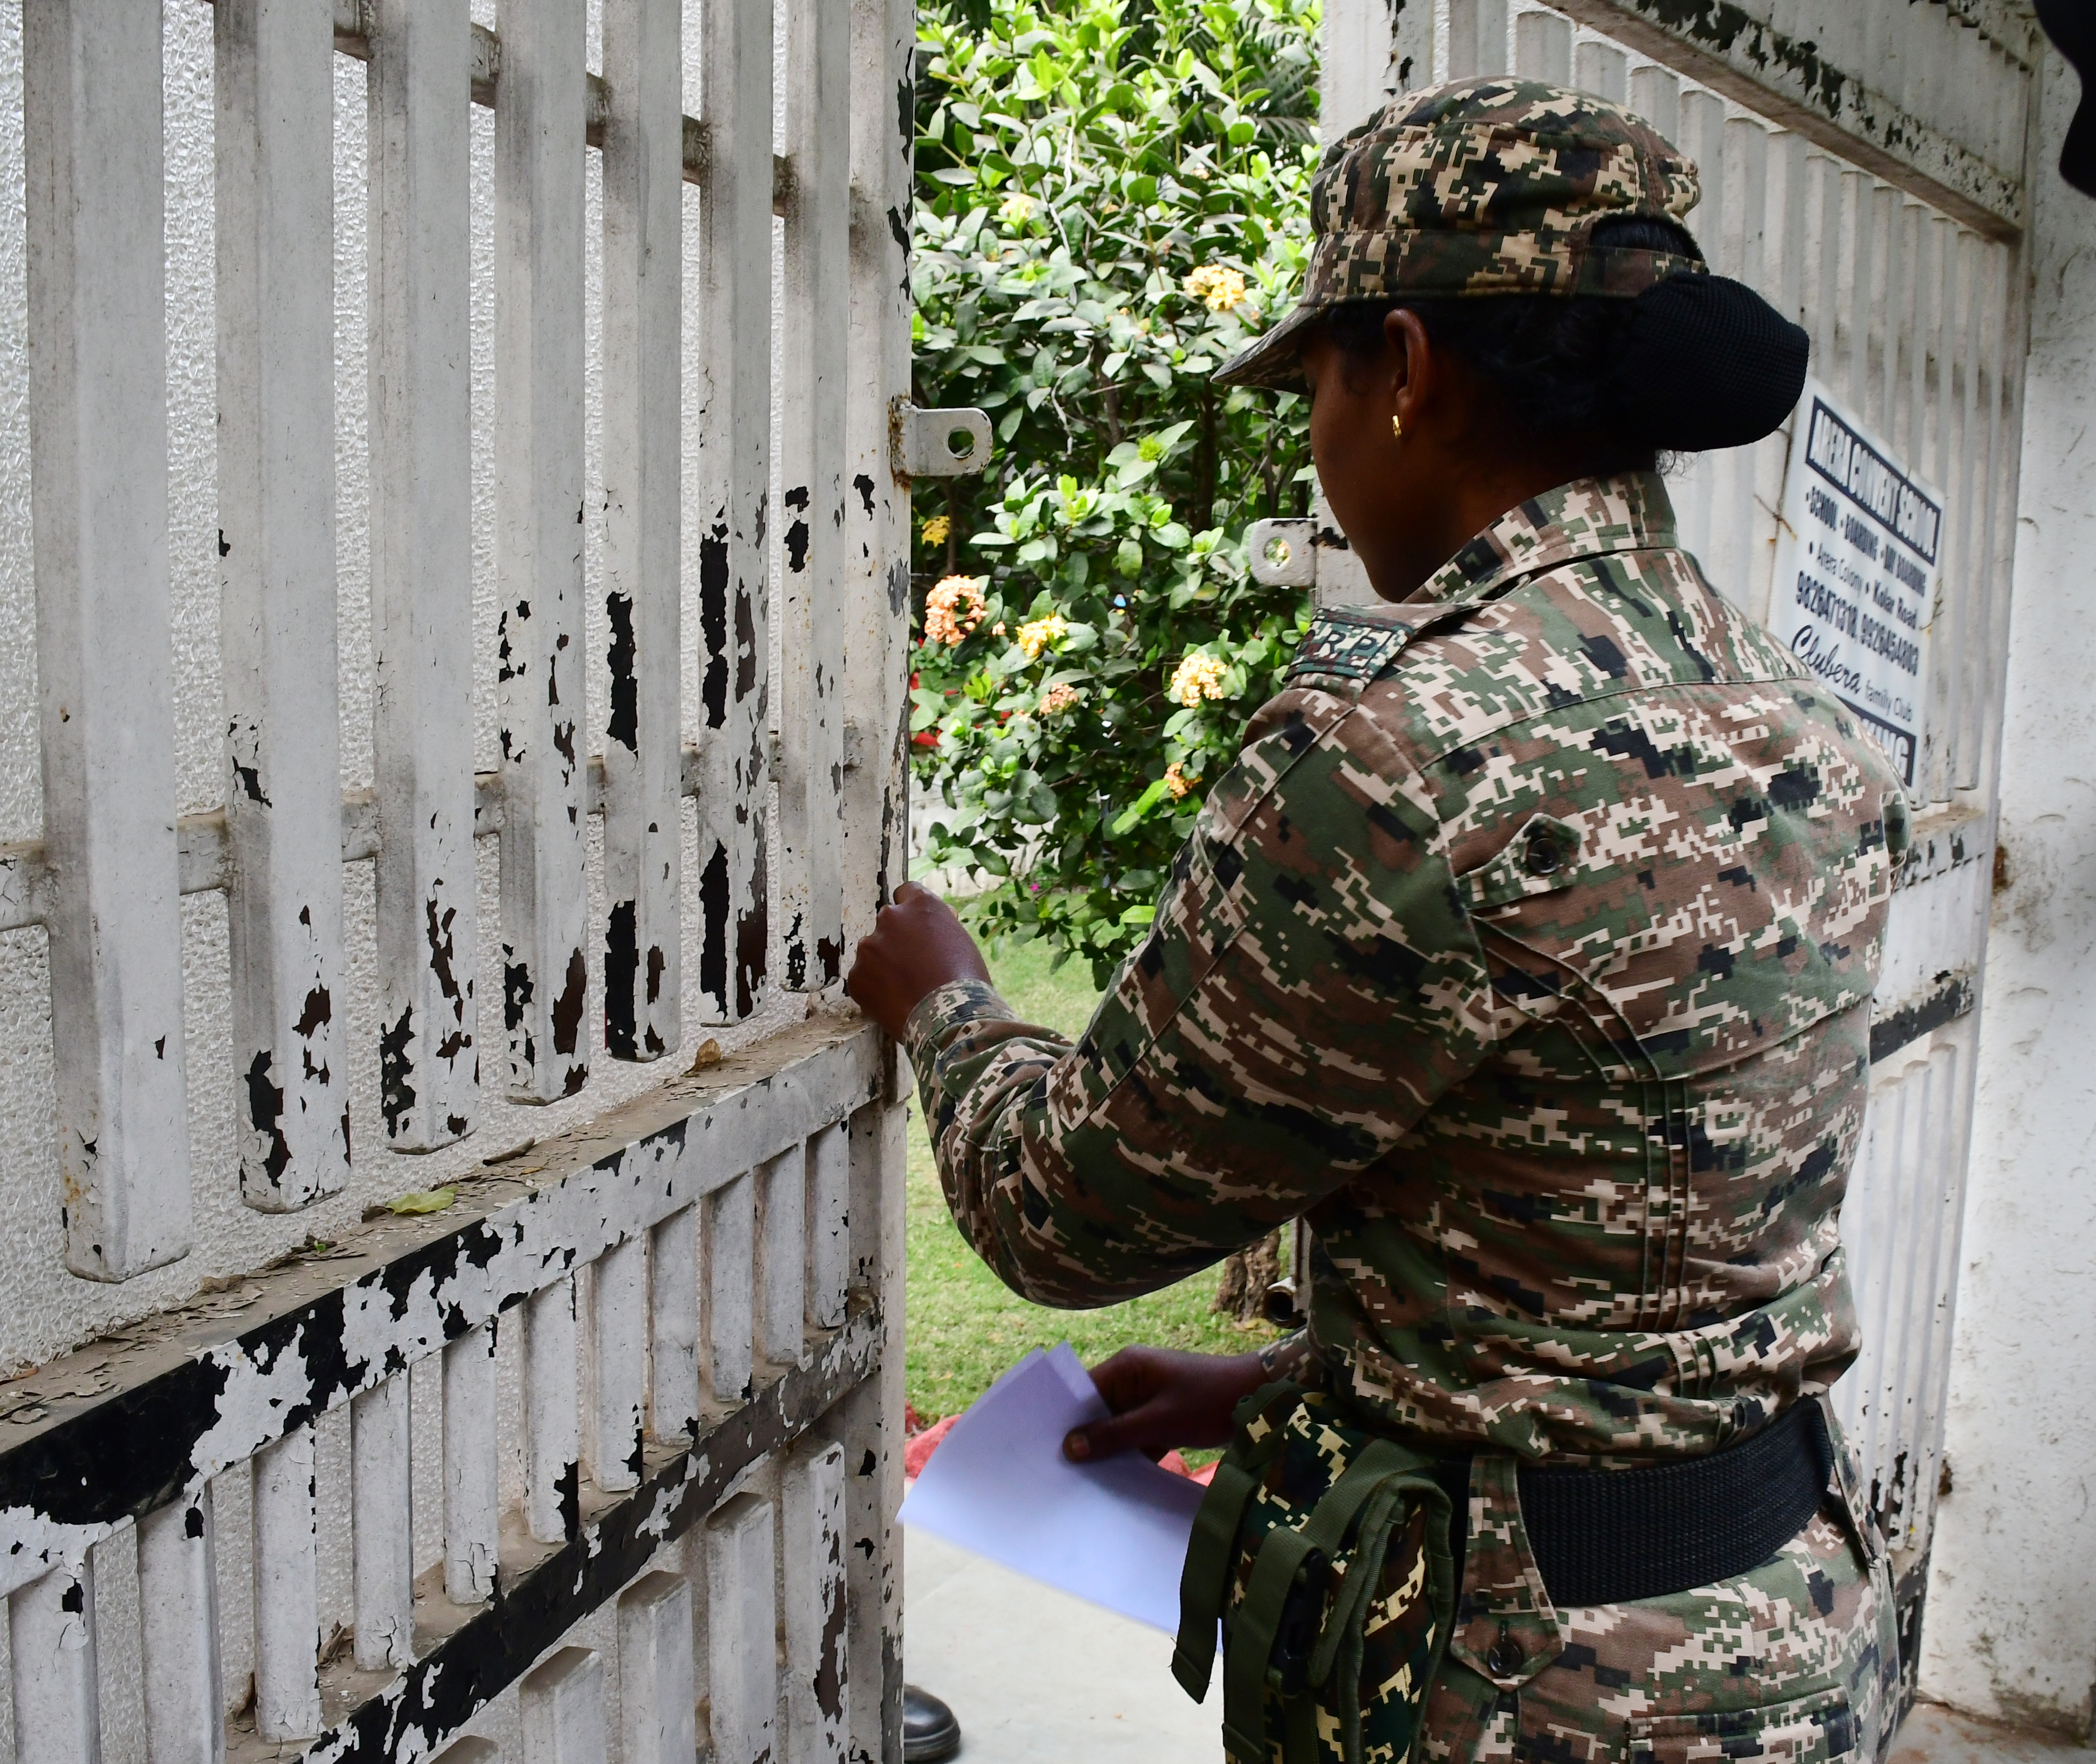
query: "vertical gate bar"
735, 448
818, 274
741, 1631
382, 1528
422, 572
287, 1639
539, 161
1884, 372
178, 1601
1750, 534
869, 1423
1826, 290
1656, 96
1543, 47
98, 374
642, 450
782, 1251
2009, 278
472, 1467
1857, 293
1962, 492
1602, 68
729, 1253
1702, 138
1903, 319
1946, 1204
1993, 548
829, 1223
1783, 282
621, 1323
1873, 326
564, 1709
812, 1580
552, 1414
673, 1293
877, 508
274, 184
658, 1690
51, 1640
1931, 384
878, 536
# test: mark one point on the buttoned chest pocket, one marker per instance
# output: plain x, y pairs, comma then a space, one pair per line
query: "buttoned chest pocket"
1544, 858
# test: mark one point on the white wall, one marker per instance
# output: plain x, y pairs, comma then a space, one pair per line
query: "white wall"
2011, 1624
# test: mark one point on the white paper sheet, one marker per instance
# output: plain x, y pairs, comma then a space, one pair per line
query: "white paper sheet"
1114, 1532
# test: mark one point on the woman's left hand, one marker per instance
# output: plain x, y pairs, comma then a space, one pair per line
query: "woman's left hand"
917, 945
1162, 1398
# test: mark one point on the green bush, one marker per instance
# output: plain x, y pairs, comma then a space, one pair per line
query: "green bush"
1112, 198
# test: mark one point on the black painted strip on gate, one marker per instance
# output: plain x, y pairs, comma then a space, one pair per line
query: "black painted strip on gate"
489, 1653
1950, 1000
129, 1452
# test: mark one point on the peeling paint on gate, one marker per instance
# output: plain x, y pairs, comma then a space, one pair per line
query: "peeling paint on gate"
204, 1405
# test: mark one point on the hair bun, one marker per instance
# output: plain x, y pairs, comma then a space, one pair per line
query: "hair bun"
1706, 362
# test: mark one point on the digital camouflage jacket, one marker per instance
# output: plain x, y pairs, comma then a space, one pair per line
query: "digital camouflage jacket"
1528, 949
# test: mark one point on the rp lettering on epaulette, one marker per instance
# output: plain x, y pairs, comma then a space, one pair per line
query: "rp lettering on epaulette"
1346, 647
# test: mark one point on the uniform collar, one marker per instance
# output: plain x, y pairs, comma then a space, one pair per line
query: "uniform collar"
1584, 518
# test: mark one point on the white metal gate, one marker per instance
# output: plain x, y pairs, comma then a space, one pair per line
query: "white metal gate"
1863, 166
399, 477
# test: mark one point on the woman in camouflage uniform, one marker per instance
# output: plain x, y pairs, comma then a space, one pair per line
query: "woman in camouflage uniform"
1527, 951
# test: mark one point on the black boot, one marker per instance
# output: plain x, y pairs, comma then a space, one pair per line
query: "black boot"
929, 1730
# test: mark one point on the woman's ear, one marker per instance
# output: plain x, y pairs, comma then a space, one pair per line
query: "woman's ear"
1409, 361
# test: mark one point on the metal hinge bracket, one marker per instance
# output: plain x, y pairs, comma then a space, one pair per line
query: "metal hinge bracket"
938, 443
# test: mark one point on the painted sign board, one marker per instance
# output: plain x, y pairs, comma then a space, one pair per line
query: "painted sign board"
1856, 564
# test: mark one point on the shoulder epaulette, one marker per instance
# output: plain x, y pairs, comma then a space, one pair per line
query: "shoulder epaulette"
1346, 647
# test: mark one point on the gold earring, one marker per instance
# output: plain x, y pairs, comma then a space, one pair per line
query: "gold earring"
1396, 425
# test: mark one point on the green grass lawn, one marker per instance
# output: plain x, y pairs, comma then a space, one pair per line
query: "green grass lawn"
964, 1326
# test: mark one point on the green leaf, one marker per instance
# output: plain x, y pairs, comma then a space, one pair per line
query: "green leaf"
422, 1201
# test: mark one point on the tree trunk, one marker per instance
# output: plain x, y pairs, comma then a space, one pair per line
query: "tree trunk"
1241, 1291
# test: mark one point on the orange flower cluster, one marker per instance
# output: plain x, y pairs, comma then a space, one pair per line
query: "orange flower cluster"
953, 609
1058, 698
1196, 677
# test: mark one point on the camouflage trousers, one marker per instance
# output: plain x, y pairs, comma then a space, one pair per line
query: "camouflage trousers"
1794, 1663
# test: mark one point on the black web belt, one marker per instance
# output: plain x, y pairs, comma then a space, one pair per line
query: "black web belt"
1605, 1537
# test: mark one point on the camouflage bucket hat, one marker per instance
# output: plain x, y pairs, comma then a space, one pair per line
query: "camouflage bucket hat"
1479, 187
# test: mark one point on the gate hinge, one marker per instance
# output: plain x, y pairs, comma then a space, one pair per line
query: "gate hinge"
1282, 554
937, 443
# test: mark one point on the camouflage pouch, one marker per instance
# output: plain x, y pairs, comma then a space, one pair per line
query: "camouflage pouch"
1322, 1551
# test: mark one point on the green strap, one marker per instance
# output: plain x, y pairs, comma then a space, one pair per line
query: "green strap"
1204, 1581
1390, 1505
1281, 1554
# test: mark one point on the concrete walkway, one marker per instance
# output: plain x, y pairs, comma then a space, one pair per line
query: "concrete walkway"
1037, 1677
1935, 1735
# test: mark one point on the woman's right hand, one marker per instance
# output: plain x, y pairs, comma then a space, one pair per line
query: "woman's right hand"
1163, 1399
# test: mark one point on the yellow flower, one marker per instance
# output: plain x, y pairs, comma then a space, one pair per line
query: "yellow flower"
1176, 781
1058, 698
1196, 677
1015, 209
1220, 289
952, 610
936, 529
1041, 634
